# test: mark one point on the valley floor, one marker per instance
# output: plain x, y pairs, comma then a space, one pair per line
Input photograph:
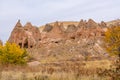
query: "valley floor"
66, 70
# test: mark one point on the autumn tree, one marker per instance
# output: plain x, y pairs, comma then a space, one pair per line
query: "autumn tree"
112, 41
11, 53
112, 44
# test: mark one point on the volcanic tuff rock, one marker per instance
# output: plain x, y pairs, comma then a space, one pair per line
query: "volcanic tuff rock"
27, 36
114, 23
83, 37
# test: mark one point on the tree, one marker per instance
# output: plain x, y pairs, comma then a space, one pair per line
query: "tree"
11, 53
112, 43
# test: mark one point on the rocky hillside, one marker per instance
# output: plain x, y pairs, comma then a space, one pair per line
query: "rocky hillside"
113, 23
65, 23
77, 39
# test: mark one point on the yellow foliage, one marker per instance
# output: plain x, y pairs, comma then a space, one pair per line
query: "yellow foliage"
112, 39
11, 53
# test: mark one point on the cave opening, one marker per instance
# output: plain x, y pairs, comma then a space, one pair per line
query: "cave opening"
26, 44
39, 39
73, 37
56, 42
31, 46
20, 44
102, 34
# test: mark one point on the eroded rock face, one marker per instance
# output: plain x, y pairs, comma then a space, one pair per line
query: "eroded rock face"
52, 33
47, 28
16, 33
33, 32
103, 24
91, 24
56, 38
27, 36
82, 24
90, 29
71, 28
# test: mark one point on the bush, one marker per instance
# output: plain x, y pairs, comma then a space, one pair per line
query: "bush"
112, 41
11, 53
112, 44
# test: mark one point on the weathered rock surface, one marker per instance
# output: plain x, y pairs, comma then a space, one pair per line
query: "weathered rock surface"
33, 64
52, 33
113, 23
84, 38
27, 36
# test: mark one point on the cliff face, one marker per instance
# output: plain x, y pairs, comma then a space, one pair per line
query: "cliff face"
27, 36
83, 37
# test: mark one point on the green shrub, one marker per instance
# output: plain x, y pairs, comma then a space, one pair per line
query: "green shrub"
11, 53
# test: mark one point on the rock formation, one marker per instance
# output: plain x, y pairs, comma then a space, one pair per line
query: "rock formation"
47, 28
27, 36
52, 33
91, 24
84, 38
71, 28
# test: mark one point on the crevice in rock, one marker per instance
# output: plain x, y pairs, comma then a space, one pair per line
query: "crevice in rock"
20, 44
26, 44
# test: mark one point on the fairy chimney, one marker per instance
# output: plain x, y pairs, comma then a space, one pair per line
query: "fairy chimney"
25, 37
91, 24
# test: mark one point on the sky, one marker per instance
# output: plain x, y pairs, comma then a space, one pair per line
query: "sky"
40, 12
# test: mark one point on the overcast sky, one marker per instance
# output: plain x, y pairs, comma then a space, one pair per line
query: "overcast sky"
40, 12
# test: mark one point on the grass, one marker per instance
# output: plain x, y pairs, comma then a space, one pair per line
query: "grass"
85, 70
57, 63
11, 75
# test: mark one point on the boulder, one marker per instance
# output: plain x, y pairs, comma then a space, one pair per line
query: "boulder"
33, 63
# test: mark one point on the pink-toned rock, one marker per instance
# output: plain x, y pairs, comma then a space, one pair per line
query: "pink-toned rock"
52, 32
33, 64
29, 36
82, 24
57, 38
26, 37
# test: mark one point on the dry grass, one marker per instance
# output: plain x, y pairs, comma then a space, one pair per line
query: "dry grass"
98, 64
11, 75
85, 70
60, 63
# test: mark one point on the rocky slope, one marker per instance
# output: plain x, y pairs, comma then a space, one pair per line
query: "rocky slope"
82, 38
113, 23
